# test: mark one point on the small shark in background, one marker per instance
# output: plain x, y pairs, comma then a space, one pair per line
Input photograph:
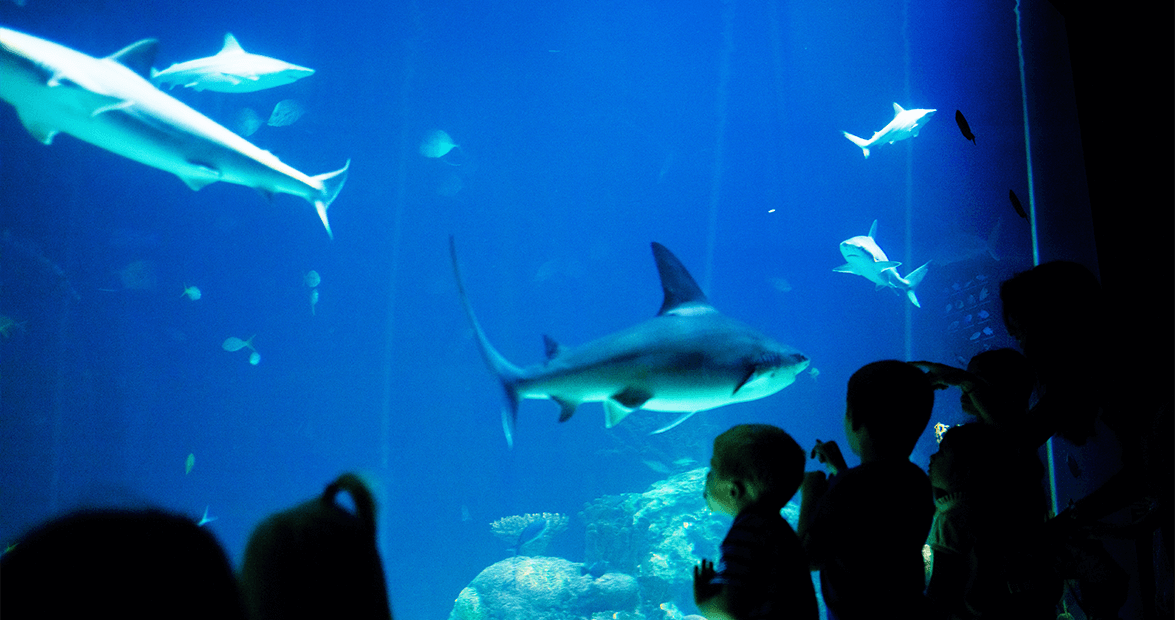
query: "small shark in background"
108, 103
688, 358
232, 70
905, 124
866, 259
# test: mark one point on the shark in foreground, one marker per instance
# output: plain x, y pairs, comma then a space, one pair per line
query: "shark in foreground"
108, 103
232, 70
865, 258
905, 124
688, 358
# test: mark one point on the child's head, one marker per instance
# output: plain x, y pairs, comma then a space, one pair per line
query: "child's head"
973, 457
1008, 373
753, 464
891, 401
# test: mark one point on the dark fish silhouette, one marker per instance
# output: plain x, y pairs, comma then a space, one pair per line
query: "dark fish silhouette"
964, 127
1016, 204
530, 533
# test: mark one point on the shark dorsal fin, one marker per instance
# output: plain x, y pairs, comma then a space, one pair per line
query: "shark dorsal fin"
137, 57
230, 45
679, 286
551, 347
897, 109
873, 228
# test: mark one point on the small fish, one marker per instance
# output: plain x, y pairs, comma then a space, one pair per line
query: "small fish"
313, 301
232, 343
964, 127
437, 143
1016, 204
684, 461
8, 326
656, 466
247, 122
814, 372
530, 533
191, 292
312, 279
189, 463
255, 358
285, 113
206, 519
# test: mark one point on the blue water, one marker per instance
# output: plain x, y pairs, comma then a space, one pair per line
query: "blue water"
586, 130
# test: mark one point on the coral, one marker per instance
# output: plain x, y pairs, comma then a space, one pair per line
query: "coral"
529, 588
658, 535
510, 529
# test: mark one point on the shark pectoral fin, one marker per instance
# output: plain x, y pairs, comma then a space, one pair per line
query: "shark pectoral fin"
566, 408
43, 133
750, 374
201, 176
845, 268
679, 420
110, 107
614, 413
622, 403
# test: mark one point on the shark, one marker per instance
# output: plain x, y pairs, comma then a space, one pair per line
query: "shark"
109, 103
231, 70
688, 358
905, 124
865, 258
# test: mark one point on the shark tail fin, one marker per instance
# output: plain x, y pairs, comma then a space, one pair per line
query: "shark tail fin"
914, 278
861, 142
332, 184
508, 374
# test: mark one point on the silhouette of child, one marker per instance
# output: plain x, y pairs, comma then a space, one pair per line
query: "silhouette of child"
317, 560
763, 573
989, 560
119, 563
864, 527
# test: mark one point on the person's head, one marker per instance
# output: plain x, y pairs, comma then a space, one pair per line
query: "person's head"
119, 563
888, 404
983, 460
1008, 375
317, 560
1050, 303
753, 464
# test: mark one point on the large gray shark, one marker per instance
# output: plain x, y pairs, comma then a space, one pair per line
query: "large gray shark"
688, 358
231, 70
104, 102
865, 258
905, 124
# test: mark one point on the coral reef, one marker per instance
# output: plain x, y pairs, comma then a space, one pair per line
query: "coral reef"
542, 588
658, 536
640, 550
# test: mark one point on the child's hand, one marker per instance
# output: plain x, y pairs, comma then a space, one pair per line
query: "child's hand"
704, 590
828, 452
